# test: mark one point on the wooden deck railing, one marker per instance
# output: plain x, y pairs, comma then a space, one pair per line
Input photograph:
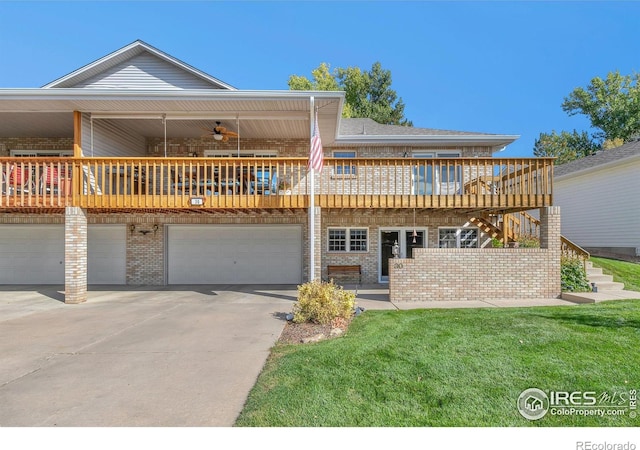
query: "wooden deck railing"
523, 224
472, 183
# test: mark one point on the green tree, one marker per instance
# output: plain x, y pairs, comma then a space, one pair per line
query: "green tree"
367, 94
564, 146
612, 105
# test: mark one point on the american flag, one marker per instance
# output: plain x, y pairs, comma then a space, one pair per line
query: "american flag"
316, 158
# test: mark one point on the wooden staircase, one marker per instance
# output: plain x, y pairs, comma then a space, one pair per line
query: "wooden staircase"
510, 227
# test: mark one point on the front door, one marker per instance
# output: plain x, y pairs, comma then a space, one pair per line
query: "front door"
407, 240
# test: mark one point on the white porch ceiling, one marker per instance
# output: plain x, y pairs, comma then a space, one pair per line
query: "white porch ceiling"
261, 115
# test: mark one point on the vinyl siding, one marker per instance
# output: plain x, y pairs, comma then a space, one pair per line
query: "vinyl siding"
601, 208
111, 138
145, 71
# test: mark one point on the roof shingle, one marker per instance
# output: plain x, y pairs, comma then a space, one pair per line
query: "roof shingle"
602, 157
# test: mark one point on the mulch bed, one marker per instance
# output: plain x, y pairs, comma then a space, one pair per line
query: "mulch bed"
295, 333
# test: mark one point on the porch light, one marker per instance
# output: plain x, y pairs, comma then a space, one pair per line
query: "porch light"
395, 250
132, 228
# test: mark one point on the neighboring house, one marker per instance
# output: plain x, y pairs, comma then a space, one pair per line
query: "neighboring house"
139, 169
600, 200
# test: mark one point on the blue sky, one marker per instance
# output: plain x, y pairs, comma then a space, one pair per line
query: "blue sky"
497, 67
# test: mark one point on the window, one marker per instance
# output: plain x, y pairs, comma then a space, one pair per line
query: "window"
348, 240
458, 238
243, 153
41, 153
437, 177
342, 169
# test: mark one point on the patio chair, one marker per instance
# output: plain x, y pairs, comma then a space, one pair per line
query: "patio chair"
206, 182
20, 180
179, 184
263, 181
228, 182
50, 180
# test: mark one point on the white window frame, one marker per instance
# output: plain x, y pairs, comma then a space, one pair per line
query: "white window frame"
459, 231
337, 171
41, 153
436, 184
243, 153
348, 231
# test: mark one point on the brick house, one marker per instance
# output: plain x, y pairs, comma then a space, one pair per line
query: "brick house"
139, 169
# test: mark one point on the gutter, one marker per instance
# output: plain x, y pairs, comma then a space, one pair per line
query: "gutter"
481, 139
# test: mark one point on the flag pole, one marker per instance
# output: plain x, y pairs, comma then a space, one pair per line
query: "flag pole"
312, 200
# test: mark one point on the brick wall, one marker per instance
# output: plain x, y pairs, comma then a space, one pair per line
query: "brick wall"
27, 143
374, 221
185, 147
482, 274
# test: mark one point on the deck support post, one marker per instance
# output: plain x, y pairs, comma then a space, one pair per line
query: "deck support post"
75, 255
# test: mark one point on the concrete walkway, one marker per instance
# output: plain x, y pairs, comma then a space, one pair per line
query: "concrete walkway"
377, 297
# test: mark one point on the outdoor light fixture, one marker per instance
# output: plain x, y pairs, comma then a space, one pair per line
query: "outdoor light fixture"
395, 250
155, 228
132, 228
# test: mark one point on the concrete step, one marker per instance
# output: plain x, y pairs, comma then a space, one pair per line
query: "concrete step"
594, 271
609, 286
600, 278
594, 297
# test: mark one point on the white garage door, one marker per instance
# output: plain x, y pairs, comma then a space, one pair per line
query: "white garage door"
107, 263
31, 254
241, 254
34, 254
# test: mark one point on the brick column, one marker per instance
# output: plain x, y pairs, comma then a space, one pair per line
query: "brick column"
75, 255
550, 228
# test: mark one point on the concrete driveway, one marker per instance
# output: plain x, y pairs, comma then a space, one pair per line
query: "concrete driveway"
180, 356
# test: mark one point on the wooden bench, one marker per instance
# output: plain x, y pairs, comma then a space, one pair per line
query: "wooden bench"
345, 271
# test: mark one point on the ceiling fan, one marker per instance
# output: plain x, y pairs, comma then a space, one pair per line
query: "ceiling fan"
220, 133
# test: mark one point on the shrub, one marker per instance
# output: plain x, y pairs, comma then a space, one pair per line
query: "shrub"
528, 241
573, 276
496, 243
321, 302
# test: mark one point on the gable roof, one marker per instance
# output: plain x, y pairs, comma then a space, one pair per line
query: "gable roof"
603, 158
138, 65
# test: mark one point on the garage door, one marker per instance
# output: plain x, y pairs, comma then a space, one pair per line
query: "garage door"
31, 254
242, 254
107, 251
34, 254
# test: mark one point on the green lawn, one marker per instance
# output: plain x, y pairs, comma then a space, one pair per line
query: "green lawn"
625, 272
457, 367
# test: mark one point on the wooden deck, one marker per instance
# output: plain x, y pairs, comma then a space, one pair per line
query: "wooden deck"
478, 184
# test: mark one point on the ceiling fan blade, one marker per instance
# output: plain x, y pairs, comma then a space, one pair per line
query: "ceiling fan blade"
231, 134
